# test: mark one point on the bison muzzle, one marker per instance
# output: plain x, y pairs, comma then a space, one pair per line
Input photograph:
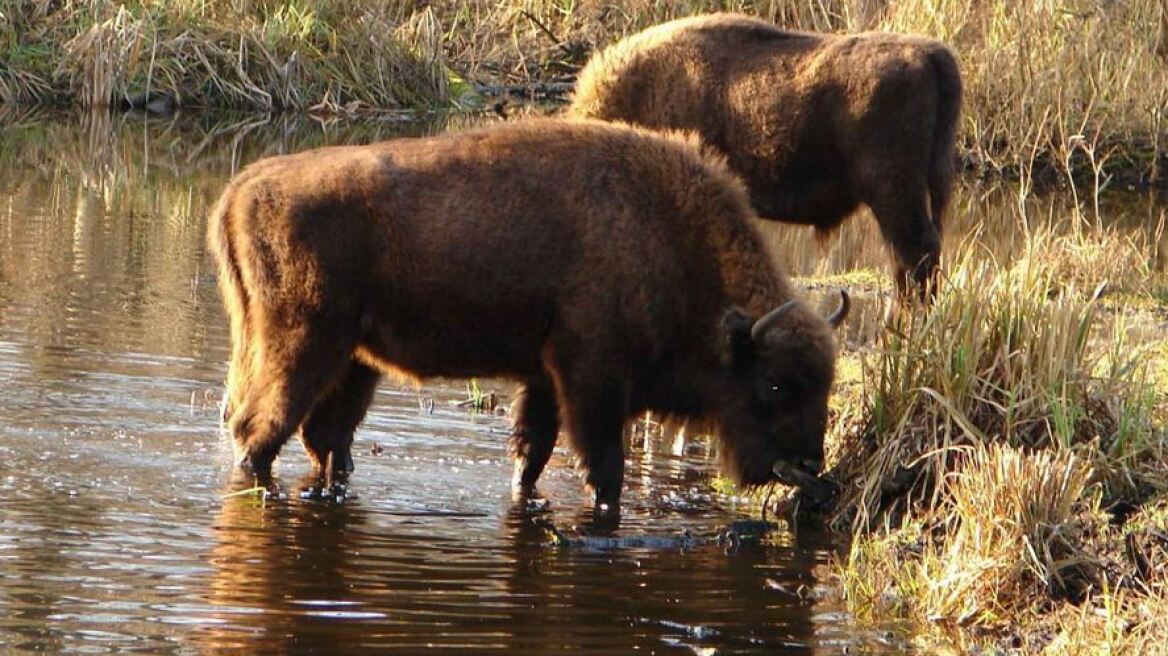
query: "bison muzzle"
608, 269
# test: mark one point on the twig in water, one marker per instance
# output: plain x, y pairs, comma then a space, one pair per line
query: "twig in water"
258, 489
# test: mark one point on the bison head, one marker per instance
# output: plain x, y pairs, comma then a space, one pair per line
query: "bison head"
774, 412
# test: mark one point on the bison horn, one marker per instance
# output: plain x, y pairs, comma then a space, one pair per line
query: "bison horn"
841, 312
760, 327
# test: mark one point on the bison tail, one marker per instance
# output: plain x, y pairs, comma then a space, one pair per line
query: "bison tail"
235, 301
941, 167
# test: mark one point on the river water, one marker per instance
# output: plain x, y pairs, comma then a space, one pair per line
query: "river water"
116, 529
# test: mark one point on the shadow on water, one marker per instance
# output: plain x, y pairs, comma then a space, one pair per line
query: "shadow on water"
114, 530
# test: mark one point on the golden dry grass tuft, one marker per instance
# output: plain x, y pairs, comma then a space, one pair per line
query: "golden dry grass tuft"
1001, 566
1004, 501
323, 55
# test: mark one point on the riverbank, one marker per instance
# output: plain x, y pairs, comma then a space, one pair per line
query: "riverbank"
1001, 458
1049, 89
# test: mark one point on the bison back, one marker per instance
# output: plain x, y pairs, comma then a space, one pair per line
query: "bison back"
458, 255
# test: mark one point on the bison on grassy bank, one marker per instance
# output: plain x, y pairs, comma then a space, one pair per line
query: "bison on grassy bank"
815, 124
609, 269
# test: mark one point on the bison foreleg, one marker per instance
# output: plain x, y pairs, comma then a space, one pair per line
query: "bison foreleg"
595, 415
903, 215
533, 436
330, 425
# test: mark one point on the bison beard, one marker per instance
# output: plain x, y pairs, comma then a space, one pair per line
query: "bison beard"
815, 124
615, 270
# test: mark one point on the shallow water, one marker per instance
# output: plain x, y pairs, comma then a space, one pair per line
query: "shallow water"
115, 531
115, 534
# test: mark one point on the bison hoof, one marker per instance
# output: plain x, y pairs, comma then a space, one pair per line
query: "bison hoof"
606, 508
537, 506
337, 493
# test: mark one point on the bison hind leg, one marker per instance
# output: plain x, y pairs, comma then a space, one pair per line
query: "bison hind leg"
536, 424
327, 433
295, 368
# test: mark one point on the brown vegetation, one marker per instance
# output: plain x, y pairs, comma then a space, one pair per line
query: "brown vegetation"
324, 56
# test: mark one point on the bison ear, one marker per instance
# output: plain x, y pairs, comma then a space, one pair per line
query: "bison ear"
739, 347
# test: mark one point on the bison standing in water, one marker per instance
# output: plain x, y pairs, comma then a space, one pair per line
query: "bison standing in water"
815, 124
609, 269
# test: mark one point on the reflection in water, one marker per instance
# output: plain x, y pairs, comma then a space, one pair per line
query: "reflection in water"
738, 602
113, 530
282, 576
302, 574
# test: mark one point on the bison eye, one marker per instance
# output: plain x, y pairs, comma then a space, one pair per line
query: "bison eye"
780, 392
771, 391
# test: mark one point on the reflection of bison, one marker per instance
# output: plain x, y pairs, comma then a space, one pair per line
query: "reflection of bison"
609, 269
816, 124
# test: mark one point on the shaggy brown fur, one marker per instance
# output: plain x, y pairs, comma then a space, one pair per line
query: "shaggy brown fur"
607, 268
816, 124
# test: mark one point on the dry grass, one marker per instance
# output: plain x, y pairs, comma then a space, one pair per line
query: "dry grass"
1120, 622
1020, 353
1002, 501
998, 537
324, 55
1071, 83
1002, 567
992, 435
1079, 85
